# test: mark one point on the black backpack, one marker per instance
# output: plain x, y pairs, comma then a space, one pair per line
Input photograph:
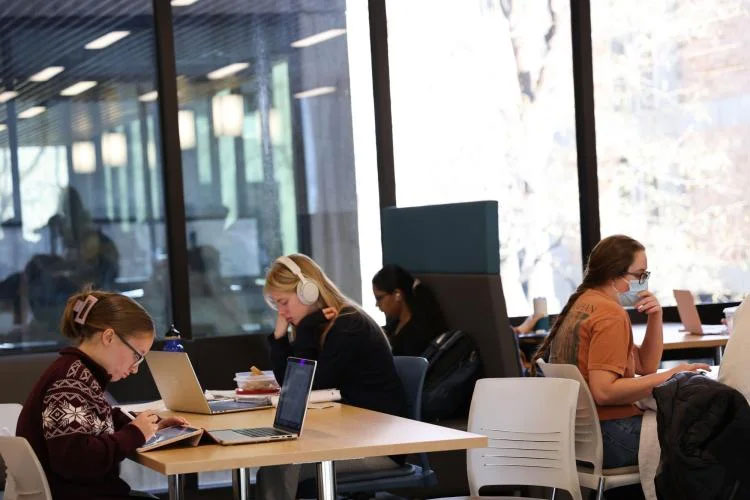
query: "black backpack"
454, 367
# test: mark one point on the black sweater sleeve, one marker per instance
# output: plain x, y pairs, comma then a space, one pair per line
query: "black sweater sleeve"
306, 344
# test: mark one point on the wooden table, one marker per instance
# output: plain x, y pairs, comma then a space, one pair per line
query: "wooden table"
675, 339
339, 432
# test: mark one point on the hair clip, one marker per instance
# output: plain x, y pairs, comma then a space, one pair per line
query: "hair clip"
82, 308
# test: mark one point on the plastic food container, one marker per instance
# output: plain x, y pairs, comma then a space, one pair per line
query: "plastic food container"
258, 384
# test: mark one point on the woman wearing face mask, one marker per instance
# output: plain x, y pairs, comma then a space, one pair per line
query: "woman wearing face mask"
316, 321
593, 331
77, 436
413, 316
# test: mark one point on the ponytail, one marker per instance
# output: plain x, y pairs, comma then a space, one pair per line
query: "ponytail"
542, 351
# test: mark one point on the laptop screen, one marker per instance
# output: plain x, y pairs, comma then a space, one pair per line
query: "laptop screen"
298, 379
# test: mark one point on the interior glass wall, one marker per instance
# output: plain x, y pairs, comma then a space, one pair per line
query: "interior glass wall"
265, 119
80, 183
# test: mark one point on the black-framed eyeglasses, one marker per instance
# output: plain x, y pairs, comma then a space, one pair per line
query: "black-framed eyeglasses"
138, 356
379, 298
642, 277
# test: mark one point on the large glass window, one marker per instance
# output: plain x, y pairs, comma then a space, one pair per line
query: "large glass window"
80, 180
267, 144
482, 99
672, 106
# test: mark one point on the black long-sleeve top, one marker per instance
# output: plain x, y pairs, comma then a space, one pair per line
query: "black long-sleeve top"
355, 358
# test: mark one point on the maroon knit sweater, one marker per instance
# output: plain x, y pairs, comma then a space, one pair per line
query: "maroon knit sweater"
77, 436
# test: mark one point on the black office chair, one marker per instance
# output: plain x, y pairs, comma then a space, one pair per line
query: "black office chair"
411, 370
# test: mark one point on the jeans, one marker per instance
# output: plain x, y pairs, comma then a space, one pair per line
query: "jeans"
620, 439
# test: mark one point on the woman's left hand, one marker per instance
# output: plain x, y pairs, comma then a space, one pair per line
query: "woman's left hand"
330, 313
171, 421
648, 303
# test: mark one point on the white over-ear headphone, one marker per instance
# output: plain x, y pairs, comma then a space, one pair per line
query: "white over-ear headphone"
307, 290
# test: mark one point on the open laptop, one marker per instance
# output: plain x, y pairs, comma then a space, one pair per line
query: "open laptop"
180, 390
290, 412
690, 318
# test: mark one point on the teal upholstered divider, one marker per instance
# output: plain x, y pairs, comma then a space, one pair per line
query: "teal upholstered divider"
452, 238
454, 249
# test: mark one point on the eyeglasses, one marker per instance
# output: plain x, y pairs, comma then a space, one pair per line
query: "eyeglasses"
379, 298
138, 356
642, 277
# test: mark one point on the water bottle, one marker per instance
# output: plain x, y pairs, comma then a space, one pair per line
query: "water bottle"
173, 343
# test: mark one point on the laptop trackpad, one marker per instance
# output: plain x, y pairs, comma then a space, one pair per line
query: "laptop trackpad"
234, 405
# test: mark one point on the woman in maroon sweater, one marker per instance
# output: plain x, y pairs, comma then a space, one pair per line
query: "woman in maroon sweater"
77, 436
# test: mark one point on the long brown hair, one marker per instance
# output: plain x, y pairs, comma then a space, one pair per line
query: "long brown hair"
111, 310
609, 259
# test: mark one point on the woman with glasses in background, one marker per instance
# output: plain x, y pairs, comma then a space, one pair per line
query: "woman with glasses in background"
593, 331
77, 436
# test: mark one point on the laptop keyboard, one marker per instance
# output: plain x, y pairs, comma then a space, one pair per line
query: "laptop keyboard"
260, 432
231, 405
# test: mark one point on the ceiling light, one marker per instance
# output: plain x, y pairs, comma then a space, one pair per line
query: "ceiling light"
148, 96
228, 114
2, 127
314, 92
186, 127
227, 70
46, 74
319, 37
114, 149
84, 157
182, 3
32, 112
7, 96
77, 88
106, 40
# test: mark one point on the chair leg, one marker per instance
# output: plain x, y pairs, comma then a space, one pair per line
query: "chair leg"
600, 489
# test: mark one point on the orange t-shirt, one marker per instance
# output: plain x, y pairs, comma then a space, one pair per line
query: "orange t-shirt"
596, 335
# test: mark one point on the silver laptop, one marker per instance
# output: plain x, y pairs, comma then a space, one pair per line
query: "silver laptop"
180, 390
690, 318
290, 412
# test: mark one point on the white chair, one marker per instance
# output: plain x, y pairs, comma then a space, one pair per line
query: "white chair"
588, 438
25, 476
530, 424
9, 417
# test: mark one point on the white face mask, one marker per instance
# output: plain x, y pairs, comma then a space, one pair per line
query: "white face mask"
629, 298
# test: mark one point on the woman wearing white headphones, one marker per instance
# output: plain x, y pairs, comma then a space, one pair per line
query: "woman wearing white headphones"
316, 321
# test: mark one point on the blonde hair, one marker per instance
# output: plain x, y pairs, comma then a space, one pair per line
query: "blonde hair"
111, 310
281, 279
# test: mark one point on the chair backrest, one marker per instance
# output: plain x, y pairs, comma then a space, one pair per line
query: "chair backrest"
411, 370
530, 424
9, 413
589, 446
26, 477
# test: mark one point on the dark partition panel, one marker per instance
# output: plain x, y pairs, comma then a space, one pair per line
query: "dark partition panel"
455, 250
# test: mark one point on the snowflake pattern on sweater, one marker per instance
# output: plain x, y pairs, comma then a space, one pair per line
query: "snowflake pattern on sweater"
76, 405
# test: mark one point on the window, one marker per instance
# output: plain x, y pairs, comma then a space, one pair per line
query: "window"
482, 100
80, 181
671, 118
265, 120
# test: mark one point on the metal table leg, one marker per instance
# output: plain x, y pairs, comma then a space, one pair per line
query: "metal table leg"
326, 480
717, 355
176, 484
240, 483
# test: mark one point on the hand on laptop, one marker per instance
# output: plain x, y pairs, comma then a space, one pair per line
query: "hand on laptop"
170, 421
648, 303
